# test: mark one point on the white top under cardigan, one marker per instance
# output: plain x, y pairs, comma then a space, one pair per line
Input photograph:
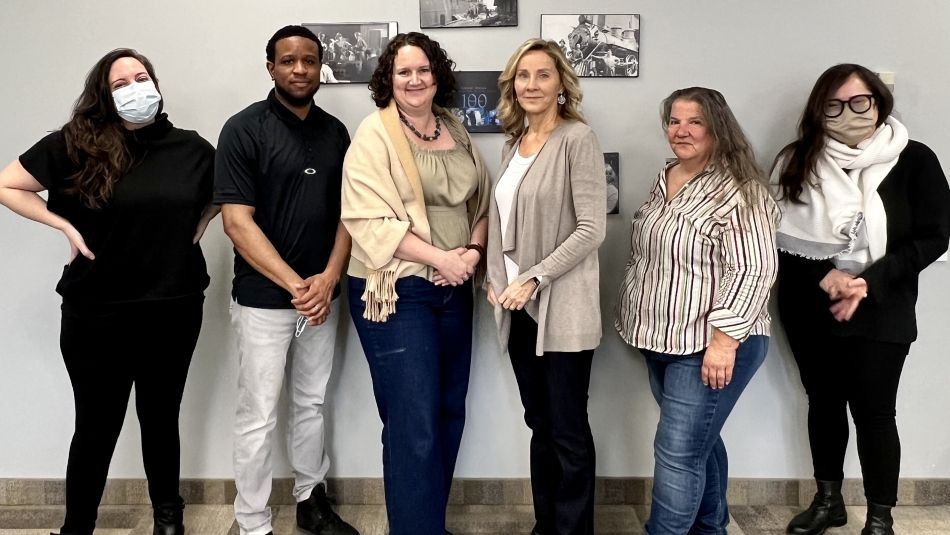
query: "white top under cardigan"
557, 225
505, 195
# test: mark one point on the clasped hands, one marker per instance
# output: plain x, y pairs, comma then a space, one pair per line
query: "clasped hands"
515, 295
846, 291
312, 297
456, 266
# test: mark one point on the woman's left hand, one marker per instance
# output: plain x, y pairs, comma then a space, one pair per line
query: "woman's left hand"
719, 360
517, 295
845, 307
469, 256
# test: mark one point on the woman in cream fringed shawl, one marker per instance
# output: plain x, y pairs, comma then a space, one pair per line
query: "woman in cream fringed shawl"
414, 200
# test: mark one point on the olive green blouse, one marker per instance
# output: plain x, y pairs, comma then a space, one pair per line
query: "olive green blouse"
449, 180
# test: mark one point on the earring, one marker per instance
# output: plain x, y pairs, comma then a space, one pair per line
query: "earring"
560, 99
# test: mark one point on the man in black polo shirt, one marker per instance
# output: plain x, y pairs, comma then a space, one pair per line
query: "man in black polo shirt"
277, 176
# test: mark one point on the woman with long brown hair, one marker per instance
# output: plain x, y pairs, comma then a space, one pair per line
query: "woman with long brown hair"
132, 194
865, 210
694, 300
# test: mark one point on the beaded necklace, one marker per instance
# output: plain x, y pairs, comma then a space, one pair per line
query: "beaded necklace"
435, 135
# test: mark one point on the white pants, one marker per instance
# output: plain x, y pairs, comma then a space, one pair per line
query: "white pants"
269, 352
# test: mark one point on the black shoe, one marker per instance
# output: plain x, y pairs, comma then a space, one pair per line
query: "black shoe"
168, 519
826, 511
315, 515
879, 520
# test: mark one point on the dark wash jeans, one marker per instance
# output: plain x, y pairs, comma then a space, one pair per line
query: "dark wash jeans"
107, 349
691, 468
419, 360
553, 390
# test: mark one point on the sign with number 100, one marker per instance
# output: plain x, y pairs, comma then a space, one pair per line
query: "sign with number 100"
476, 103
473, 100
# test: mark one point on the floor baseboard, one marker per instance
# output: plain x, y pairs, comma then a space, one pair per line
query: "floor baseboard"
369, 491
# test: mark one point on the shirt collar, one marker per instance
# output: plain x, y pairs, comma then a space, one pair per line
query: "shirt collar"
288, 116
710, 169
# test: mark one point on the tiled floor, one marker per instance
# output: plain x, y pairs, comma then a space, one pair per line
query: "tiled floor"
463, 520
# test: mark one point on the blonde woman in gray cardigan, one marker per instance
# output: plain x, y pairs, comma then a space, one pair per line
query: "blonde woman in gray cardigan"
546, 221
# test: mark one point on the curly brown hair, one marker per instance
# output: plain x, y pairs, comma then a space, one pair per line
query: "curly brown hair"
95, 134
381, 84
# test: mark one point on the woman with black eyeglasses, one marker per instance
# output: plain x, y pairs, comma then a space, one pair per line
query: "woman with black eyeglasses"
865, 210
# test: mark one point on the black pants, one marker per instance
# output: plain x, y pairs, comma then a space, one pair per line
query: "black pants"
107, 349
861, 374
553, 391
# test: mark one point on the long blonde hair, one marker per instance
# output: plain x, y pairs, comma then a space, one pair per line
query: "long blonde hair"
511, 114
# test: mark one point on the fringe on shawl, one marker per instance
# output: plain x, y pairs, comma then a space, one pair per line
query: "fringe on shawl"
380, 295
853, 231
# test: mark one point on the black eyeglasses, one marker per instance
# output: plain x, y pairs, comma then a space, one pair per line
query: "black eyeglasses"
858, 104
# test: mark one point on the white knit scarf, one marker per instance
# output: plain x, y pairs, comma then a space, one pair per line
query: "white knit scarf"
843, 217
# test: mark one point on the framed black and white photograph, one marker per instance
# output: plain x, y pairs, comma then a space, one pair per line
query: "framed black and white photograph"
476, 102
351, 49
467, 13
612, 175
598, 46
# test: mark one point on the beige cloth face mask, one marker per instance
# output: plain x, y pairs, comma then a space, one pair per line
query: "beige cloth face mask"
851, 128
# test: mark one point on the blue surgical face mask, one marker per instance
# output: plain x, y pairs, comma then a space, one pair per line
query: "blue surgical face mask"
137, 102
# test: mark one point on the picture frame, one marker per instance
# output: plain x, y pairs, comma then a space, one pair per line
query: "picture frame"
597, 46
351, 50
475, 103
612, 177
467, 13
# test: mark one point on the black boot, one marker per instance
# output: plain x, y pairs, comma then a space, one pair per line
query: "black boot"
315, 515
879, 520
826, 511
168, 519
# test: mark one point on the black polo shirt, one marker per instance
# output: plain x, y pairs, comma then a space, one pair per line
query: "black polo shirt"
290, 171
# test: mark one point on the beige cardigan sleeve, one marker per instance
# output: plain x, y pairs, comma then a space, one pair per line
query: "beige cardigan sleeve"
381, 201
372, 210
588, 192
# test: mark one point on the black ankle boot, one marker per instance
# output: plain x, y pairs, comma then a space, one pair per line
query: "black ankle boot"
826, 511
879, 520
315, 515
168, 519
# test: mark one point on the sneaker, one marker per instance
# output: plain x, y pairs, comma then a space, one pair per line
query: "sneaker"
314, 515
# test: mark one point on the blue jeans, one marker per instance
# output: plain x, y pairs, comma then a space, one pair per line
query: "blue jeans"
419, 361
691, 467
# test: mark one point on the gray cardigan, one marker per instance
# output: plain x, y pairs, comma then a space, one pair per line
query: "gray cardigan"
557, 223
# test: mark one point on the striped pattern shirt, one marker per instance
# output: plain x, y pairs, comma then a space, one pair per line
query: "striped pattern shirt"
704, 259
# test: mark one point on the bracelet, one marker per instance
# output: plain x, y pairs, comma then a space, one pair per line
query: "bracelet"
476, 247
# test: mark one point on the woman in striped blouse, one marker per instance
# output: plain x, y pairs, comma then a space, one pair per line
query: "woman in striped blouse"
693, 301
